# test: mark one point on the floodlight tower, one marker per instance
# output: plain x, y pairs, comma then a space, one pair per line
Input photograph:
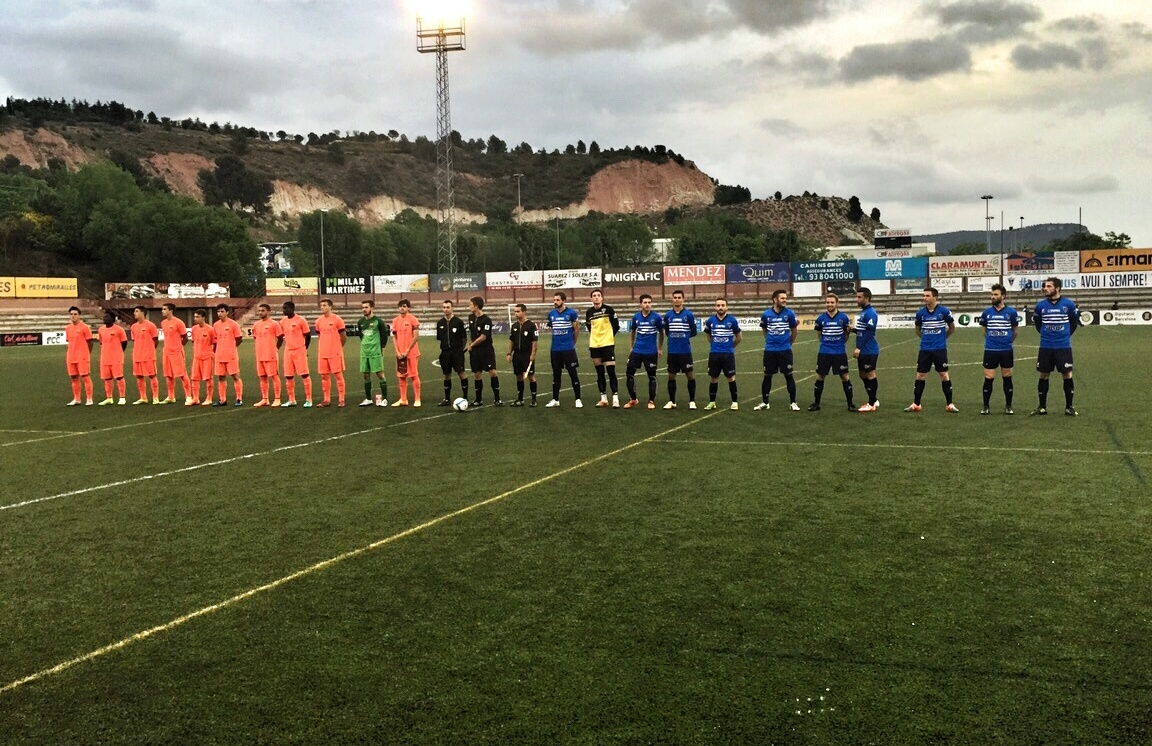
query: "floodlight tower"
441, 39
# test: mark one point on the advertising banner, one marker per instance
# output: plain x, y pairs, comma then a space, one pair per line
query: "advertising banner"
896, 321
1023, 264
844, 269
909, 285
284, 286
964, 266
20, 339
54, 338
400, 283
981, 284
893, 269
947, 284
1066, 262
465, 283
1114, 260
778, 273
1034, 282
1107, 280
647, 275
46, 287
527, 279
346, 286
7, 287
557, 279
694, 274
1141, 316
165, 290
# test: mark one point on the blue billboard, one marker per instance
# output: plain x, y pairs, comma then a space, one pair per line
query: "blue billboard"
834, 271
894, 269
758, 274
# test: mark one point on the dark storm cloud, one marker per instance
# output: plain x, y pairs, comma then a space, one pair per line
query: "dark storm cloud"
1079, 24
985, 22
1048, 56
919, 59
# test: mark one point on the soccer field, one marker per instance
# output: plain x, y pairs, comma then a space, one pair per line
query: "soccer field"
196, 575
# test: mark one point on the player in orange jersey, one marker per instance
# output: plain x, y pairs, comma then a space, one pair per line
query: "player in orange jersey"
269, 337
144, 336
406, 328
297, 337
175, 367
330, 359
113, 342
203, 356
79, 355
229, 335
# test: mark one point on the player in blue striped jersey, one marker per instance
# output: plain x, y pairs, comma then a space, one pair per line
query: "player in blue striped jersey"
647, 338
832, 327
565, 325
680, 328
779, 324
1057, 319
723, 332
867, 349
934, 325
1001, 323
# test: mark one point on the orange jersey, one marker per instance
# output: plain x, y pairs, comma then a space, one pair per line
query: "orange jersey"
174, 333
295, 329
404, 329
227, 332
112, 341
77, 336
144, 335
328, 328
203, 338
266, 332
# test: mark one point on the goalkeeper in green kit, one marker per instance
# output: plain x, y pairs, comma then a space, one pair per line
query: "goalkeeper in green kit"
373, 338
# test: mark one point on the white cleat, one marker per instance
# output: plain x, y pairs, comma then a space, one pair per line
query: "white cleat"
794, 407
579, 404
553, 403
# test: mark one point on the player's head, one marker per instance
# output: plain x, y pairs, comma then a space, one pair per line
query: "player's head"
222, 310
109, 317
645, 302
201, 315
476, 304
998, 294
263, 310
521, 312
446, 306
863, 297
168, 310
139, 313
831, 302
74, 313
597, 297
931, 296
677, 299
1052, 287
721, 306
366, 307
403, 306
558, 298
289, 308
325, 306
780, 298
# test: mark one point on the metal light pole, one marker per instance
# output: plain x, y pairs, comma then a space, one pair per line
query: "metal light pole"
557, 209
987, 224
519, 219
441, 40
322, 275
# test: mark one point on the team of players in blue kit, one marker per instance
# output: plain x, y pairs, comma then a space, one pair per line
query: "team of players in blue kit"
1055, 317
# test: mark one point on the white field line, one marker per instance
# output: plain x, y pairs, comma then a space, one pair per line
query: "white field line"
332, 561
71, 434
898, 446
42, 432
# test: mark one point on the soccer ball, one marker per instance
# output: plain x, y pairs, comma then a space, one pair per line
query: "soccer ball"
460, 404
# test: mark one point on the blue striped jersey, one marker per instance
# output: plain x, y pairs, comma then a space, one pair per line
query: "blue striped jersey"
563, 324
1056, 322
647, 329
778, 326
723, 332
998, 326
680, 329
933, 326
833, 331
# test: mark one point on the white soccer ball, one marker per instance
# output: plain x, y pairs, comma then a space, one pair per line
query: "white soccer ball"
460, 404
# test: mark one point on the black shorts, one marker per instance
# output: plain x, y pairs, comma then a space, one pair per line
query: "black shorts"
679, 362
836, 364
648, 362
778, 362
721, 362
523, 365
452, 360
994, 359
1048, 360
603, 354
483, 359
928, 358
564, 359
866, 363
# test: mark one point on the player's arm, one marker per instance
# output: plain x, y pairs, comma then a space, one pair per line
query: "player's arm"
951, 328
1015, 327
659, 340
239, 336
1037, 320
737, 339
919, 328
632, 335
614, 321
343, 337
795, 329
576, 330
307, 337
1074, 321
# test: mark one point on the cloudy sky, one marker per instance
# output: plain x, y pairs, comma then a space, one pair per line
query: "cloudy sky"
918, 107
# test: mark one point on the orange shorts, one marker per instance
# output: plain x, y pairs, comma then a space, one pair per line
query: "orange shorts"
266, 368
202, 369
296, 362
146, 369
78, 369
174, 366
227, 367
110, 372
326, 365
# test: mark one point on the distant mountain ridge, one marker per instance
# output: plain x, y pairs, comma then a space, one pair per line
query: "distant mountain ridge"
1033, 236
